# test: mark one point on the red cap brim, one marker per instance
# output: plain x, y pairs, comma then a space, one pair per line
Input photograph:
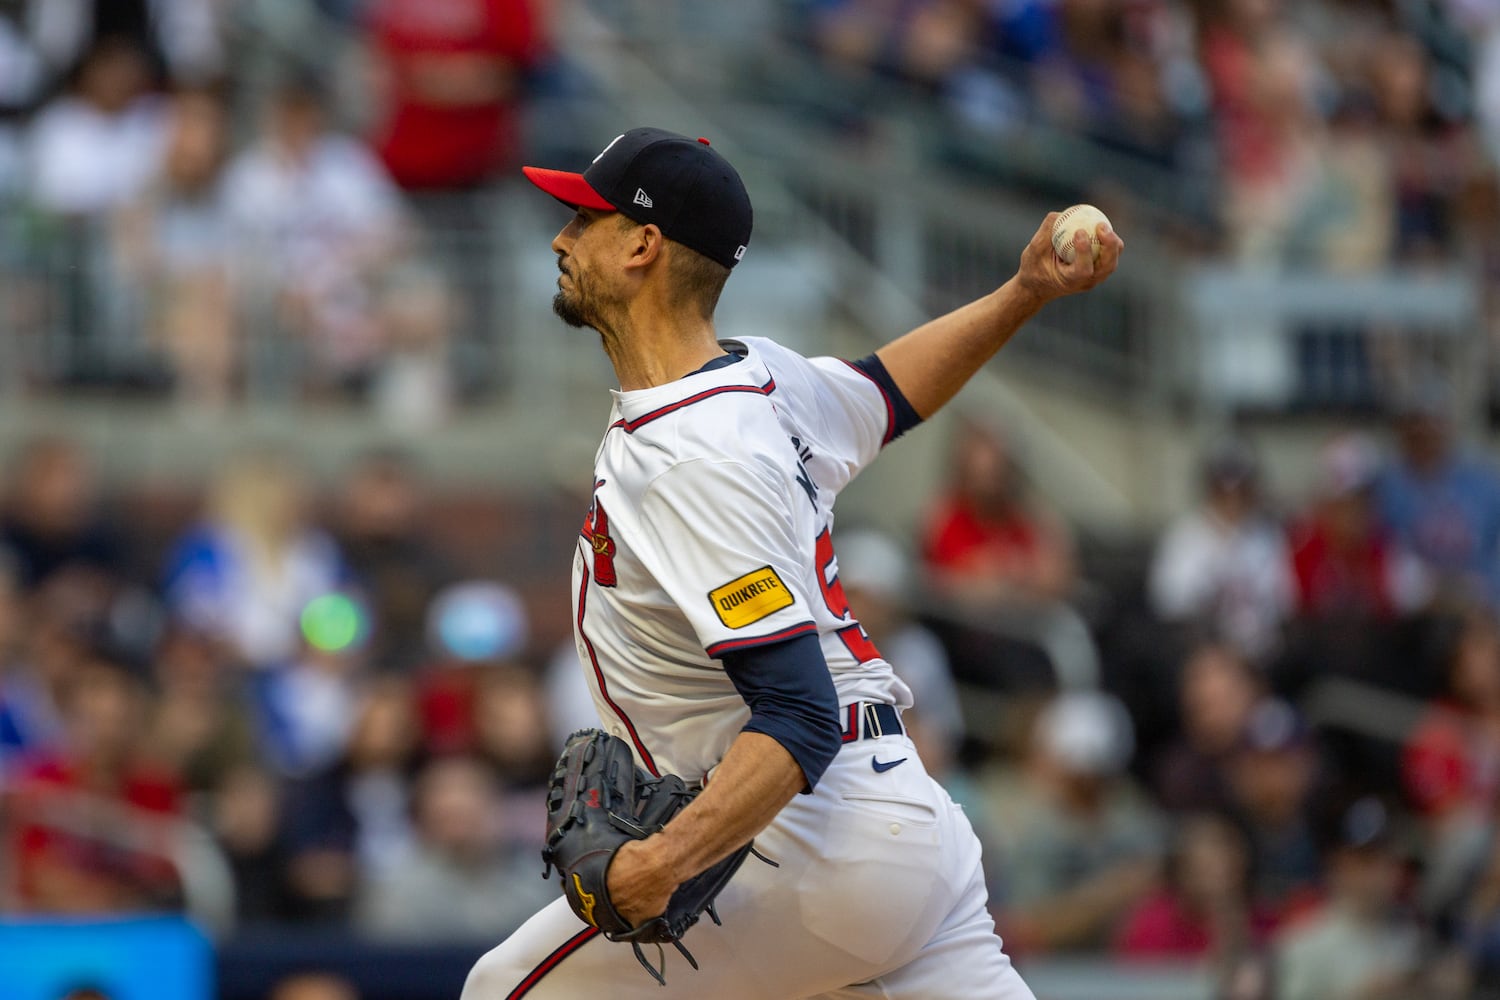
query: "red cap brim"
566, 187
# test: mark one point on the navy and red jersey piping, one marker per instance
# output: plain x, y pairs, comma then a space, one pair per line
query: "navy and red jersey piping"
631, 426
900, 415
718, 649
588, 645
552, 961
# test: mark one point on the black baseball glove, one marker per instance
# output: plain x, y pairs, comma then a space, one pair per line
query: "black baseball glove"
598, 799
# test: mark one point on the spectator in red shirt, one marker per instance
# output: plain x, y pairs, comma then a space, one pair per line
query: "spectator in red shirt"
986, 542
1002, 567
89, 823
1451, 763
1203, 909
453, 73
1345, 563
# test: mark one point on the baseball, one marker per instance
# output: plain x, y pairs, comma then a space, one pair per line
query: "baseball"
1085, 217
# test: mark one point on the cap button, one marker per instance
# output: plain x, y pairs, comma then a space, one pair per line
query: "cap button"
703, 140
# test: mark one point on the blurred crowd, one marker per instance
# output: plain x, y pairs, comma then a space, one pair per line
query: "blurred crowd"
1348, 133
1269, 750
314, 684
1286, 767
163, 198
177, 175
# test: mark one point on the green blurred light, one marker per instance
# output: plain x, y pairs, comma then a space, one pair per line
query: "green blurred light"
333, 622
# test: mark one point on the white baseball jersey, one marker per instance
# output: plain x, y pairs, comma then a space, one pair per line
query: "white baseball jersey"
710, 532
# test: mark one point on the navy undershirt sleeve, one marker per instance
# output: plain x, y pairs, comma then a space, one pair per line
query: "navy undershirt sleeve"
903, 415
791, 699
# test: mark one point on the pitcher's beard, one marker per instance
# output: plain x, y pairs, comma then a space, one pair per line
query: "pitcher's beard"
568, 310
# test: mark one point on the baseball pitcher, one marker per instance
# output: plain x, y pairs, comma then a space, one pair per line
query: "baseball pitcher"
750, 822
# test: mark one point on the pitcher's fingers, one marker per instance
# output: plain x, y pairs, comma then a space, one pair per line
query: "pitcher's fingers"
1082, 265
1110, 247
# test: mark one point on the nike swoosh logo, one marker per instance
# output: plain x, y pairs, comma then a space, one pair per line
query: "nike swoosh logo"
884, 765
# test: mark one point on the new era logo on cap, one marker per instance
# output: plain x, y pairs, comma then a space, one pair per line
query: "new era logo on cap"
697, 199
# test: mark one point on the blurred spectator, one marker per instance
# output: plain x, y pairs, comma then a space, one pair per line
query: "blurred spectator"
1271, 784
182, 35
470, 626
316, 219
1080, 843
1001, 567
1344, 222
90, 818
1262, 78
1360, 946
52, 647
511, 725
453, 74
198, 725
1097, 78
1203, 908
50, 521
305, 707
413, 387
1432, 160
1141, 116
353, 817
175, 246
1225, 566
245, 574
313, 986
245, 816
1217, 691
877, 577
95, 148
451, 80
1443, 505
1450, 766
379, 529
515, 737
1346, 565
462, 882
923, 42
985, 542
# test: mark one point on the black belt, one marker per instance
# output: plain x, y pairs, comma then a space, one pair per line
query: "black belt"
868, 720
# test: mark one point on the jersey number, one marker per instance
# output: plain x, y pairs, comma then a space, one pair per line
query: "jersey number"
853, 636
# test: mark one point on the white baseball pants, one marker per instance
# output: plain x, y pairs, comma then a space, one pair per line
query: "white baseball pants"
879, 894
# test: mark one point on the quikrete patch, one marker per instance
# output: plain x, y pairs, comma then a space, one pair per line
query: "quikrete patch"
750, 598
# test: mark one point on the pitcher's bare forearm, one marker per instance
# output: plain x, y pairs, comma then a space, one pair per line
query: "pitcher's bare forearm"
931, 363
756, 778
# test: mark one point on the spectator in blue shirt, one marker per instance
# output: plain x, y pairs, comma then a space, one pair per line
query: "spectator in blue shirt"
1443, 505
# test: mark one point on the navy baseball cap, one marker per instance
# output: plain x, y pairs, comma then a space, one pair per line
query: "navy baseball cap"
684, 186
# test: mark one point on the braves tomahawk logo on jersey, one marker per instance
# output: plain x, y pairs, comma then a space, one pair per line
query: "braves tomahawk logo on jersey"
596, 533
